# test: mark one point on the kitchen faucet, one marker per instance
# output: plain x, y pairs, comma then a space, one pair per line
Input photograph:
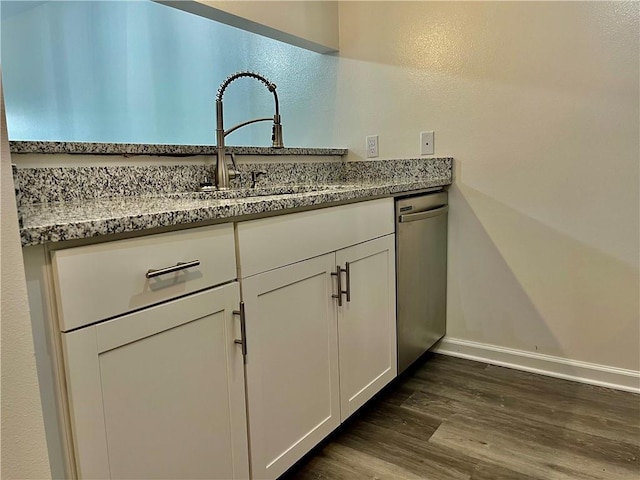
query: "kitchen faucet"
222, 170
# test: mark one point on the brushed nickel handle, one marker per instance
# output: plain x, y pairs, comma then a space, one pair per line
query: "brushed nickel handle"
234, 172
243, 329
175, 268
348, 272
412, 217
347, 292
337, 273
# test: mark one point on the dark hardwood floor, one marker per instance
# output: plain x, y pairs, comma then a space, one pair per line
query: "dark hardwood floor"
449, 418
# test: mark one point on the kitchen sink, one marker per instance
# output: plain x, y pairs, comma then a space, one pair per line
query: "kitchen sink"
239, 193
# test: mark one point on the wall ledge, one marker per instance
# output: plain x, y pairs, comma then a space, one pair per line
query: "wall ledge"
310, 29
129, 149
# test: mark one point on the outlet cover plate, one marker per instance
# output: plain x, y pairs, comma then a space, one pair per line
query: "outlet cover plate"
426, 143
372, 146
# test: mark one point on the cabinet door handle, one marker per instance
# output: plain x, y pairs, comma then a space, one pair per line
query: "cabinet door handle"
243, 329
348, 272
175, 268
347, 292
337, 274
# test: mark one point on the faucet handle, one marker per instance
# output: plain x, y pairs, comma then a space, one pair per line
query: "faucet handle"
255, 175
206, 185
235, 171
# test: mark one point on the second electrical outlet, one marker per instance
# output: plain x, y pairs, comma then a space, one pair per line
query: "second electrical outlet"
372, 146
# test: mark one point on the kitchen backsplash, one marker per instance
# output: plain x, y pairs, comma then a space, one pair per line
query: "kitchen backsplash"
73, 184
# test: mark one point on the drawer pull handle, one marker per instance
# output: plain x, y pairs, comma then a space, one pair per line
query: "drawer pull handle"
176, 268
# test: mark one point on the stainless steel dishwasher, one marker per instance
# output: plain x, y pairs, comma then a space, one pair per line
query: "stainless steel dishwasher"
421, 263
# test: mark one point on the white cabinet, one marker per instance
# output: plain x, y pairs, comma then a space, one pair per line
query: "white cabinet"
312, 362
274, 242
367, 322
153, 376
160, 393
292, 363
154, 381
95, 282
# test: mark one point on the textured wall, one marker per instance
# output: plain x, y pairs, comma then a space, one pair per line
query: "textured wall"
538, 102
23, 445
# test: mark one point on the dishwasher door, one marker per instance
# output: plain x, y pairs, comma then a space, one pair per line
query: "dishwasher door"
421, 256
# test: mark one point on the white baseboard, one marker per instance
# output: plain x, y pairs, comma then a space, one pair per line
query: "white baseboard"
591, 373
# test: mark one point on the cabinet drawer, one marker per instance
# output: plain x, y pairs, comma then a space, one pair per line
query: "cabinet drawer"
95, 282
273, 242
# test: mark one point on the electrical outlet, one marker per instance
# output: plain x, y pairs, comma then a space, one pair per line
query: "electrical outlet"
426, 143
372, 146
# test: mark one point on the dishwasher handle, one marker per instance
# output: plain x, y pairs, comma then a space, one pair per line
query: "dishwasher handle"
412, 217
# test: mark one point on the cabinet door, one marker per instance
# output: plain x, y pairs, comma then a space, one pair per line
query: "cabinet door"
291, 364
160, 393
367, 322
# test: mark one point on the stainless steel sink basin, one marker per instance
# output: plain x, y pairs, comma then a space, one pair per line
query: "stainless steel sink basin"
274, 190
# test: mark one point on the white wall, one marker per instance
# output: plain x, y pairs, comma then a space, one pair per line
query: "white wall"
24, 452
538, 102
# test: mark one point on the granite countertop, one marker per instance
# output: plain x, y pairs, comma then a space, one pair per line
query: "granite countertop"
89, 148
55, 222
93, 209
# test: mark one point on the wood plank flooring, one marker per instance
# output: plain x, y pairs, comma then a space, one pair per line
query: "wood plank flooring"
449, 419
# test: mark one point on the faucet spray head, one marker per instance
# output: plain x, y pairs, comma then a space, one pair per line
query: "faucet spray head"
276, 132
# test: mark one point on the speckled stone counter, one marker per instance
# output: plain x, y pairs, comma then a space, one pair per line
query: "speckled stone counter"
164, 150
54, 221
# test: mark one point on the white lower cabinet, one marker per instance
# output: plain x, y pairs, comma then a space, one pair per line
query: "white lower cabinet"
311, 362
292, 363
367, 322
154, 374
160, 393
